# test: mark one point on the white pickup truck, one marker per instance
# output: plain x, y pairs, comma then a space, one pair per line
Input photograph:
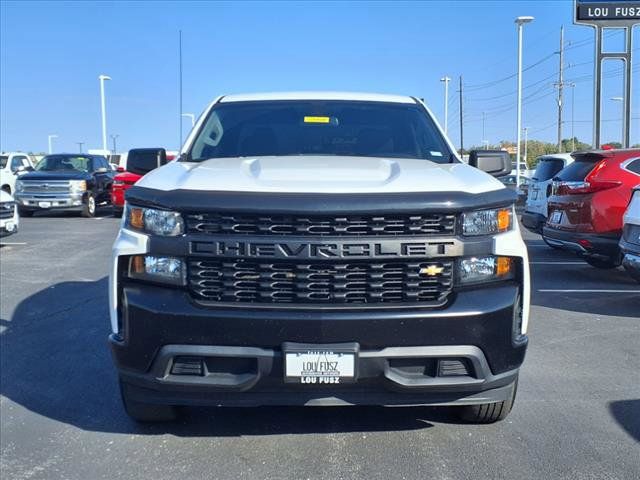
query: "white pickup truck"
320, 249
12, 165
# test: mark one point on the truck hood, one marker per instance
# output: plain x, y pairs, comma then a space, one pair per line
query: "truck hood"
56, 175
320, 174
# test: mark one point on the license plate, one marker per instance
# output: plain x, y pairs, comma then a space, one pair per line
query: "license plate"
44, 204
556, 217
320, 364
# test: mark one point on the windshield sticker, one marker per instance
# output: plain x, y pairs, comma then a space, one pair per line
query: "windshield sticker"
436, 154
317, 119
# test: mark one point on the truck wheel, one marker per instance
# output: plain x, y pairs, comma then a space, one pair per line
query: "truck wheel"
488, 412
89, 208
25, 213
604, 263
146, 412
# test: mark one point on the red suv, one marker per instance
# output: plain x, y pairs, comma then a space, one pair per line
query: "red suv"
140, 161
588, 200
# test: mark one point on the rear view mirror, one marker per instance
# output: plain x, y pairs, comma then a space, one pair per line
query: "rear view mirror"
142, 160
493, 162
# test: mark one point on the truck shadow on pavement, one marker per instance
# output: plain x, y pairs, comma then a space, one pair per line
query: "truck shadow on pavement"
627, 414
56, 363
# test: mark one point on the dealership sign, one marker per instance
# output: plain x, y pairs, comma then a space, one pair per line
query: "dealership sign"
610, 12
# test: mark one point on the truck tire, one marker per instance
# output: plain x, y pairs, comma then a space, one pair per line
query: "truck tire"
25, 213
146, 412
606, 263
488, 412
89, 208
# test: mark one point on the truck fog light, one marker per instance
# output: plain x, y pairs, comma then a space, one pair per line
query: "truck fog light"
482, 269
169, 270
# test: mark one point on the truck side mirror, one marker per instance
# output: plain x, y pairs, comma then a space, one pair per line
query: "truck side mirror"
493, 162
142, 160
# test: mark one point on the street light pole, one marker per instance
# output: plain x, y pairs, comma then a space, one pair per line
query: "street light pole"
526, 131
192, 117
446, 81
51, 137
520, 21
102, 78
573, 111
621, 100
80, 145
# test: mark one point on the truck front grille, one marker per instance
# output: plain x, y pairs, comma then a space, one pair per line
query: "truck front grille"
7, 209
321, 283
45, 186
321, 225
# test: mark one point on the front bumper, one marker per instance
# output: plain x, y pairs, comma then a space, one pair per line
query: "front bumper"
243, 347
10, 220
631, 259
8, 226
37, 201
583, 243
533, 221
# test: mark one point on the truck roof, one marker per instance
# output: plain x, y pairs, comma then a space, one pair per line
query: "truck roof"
354, 96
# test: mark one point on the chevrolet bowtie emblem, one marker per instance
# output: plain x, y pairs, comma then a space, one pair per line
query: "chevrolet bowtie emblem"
431, 270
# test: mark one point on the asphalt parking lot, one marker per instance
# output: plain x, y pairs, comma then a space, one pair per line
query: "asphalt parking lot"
577, 414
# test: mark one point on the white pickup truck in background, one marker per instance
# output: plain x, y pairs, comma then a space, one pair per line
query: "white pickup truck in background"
12, 165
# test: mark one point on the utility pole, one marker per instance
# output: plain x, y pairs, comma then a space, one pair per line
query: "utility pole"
113, 138
461, 123
80, 145
560, 85
446, 81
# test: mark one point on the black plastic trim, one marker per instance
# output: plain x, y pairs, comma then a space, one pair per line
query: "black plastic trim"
321, 203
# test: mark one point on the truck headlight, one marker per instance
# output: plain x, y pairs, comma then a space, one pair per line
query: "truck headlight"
19, 186
485, 269
154, 221
170, 270
487, 222
78, 186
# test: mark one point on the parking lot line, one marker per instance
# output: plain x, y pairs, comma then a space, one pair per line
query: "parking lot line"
584, 290
13, 243
557, 263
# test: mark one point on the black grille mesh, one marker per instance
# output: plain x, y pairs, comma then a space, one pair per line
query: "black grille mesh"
7, 209
345, 225
248, 281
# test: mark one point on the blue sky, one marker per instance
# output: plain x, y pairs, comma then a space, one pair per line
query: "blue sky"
52, 53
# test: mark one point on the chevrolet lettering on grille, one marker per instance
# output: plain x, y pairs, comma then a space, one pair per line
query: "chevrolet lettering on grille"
320, 250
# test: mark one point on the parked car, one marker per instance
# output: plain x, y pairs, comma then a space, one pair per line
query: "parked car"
139, 162
630, 241
511, 182
79, 182
12, 165
320, 249
9, 219
588, 200
539, 189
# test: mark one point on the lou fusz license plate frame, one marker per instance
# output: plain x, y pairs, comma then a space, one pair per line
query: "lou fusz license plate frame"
320, 364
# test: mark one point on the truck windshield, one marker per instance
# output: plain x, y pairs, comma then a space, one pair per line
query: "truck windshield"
345, 128
52, 163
